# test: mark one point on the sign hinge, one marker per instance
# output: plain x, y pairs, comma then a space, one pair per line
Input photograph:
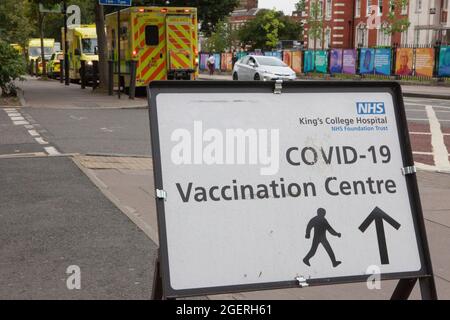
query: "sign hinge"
409, 170
278, 86
302, 282
161, 194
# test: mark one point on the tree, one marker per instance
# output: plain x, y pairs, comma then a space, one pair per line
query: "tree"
102, 51
267, 29
315, 22
210, 12
221, 39
300, 6
12, 67
396, 24
272, 26
15, 26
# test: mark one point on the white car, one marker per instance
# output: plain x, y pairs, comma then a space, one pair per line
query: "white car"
262, 68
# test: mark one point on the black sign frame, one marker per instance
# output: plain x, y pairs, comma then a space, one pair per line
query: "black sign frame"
161, 286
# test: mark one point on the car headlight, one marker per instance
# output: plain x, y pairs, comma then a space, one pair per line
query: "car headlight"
90, 63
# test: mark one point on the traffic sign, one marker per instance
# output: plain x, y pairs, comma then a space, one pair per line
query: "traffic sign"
125, 3
273, 186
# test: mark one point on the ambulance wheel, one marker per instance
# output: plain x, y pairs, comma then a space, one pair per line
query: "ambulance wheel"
257, 77
235, 76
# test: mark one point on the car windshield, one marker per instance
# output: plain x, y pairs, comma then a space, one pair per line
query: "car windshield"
36, 51
268, 61
89, 45
60, 57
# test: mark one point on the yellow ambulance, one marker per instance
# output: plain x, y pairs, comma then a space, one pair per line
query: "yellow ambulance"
162, 41
34, 51
82, 46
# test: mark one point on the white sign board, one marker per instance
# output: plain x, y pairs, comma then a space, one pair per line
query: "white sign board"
263, 188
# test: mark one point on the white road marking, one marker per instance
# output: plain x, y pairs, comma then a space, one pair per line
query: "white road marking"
17, 118
417, 119
10, 109
14, 114
423, 153
52, 151
20, 123
437, 141
106, 130
40, 140
33, 133
29, 126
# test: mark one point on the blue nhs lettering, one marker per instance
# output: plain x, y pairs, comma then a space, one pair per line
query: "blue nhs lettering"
370, 108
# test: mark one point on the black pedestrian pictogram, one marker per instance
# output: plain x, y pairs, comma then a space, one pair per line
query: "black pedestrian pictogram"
320, 226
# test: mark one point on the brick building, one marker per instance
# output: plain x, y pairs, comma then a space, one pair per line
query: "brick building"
368, 31
338, 24
353, 23
246, 11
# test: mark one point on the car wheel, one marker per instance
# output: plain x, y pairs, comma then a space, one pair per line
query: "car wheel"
235, 76
257, 77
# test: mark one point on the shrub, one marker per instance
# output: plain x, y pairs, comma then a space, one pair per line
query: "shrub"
12, 67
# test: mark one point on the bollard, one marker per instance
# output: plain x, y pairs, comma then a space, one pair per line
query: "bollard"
110, 77
83, 74
133, 64
36, 65
31, 68
95, 73
61, 71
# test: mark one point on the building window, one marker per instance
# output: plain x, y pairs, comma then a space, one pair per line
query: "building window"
329, 9
416, 37
358, 8
405, 9
418, 5
327, 38
368, 4
383, 39
380, 7
361, 36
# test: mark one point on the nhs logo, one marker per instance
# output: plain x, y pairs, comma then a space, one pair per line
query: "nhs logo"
370, 108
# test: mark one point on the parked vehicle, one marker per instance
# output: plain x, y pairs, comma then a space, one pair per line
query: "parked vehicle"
264, 68
34, 52
162, 40
82, 41
53, 65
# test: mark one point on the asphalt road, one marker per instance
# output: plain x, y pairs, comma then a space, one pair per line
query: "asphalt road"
53, 217
96, 131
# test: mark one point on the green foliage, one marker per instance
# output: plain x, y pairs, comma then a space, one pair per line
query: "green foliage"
300, 6
221, 39
12, 67
210, 12
315, 22
394, 23
272, 26
14, 24
267, 29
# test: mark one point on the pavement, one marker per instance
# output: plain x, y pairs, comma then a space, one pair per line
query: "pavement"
53, 94
414, 91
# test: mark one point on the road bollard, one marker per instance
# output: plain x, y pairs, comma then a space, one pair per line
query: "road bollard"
83, 74
61, 71
36, 66
133, 64
110, 77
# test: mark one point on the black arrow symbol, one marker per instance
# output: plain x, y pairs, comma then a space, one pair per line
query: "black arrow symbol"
378, 216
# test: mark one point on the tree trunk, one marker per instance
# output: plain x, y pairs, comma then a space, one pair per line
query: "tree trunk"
102, 47
41, 30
